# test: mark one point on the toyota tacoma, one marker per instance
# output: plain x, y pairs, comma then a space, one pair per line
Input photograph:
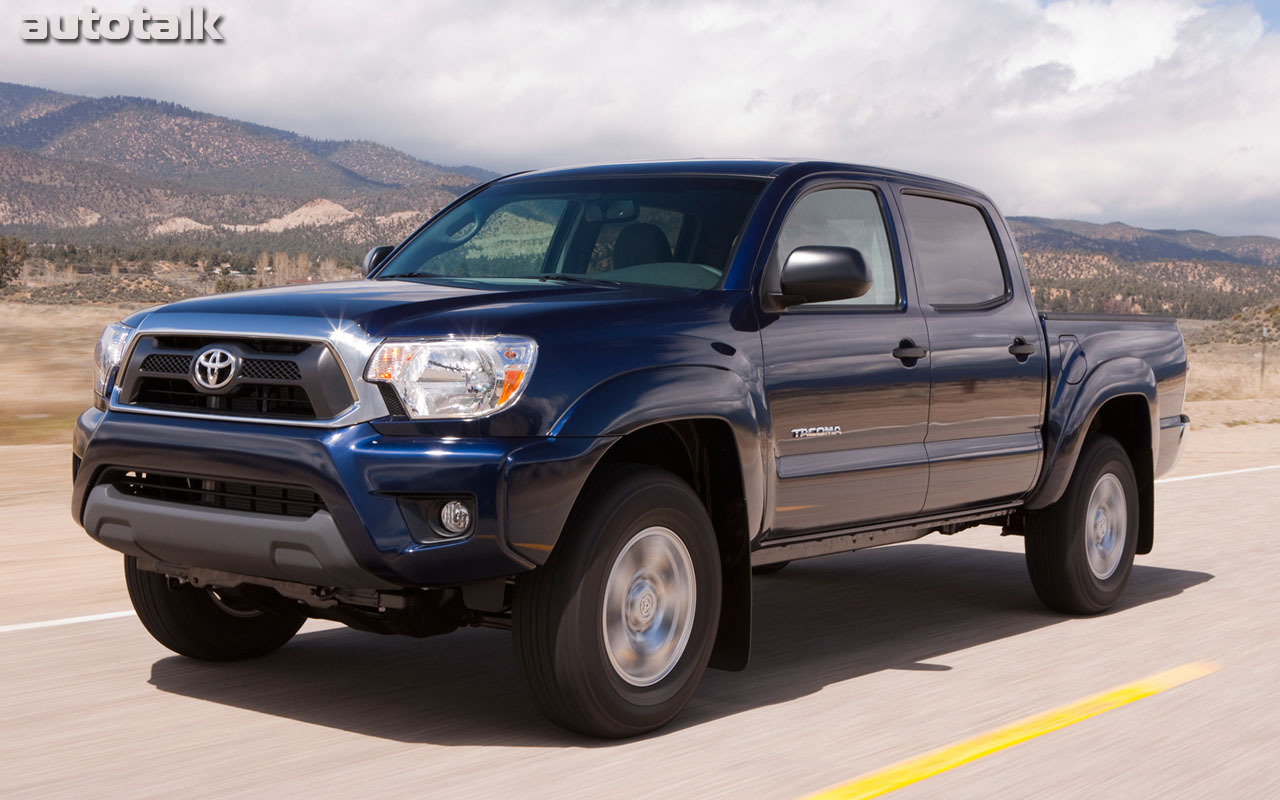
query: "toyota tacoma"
590, 405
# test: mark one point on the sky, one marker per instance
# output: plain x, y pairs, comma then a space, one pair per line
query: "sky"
1159, 113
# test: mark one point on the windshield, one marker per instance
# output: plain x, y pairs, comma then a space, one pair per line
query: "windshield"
677, 232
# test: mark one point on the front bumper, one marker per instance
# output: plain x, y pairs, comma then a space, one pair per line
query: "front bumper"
523, 490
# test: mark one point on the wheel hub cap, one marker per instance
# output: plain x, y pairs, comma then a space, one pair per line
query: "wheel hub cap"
642, 600
1106, 522
649, 603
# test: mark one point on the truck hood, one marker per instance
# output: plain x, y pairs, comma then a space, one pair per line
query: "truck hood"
379, 307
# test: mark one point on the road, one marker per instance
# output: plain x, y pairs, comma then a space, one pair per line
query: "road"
861, 660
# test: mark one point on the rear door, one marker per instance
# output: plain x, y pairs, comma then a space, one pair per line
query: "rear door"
986, 351
848, 417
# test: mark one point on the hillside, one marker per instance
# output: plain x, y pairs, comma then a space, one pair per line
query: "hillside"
42, 196
1188, 288
113, 177
163, 140
1126, 242
1084, 266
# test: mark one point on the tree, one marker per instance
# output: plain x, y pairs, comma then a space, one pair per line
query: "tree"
13, 253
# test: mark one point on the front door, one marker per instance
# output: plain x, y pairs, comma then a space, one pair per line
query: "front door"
987, 352
848, 417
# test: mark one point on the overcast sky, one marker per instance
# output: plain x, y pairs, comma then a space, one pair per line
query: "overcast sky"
1161, 113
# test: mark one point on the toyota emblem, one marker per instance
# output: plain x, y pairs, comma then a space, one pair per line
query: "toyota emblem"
214, 368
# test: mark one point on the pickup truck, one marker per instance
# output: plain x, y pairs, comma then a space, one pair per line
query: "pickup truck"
591, 405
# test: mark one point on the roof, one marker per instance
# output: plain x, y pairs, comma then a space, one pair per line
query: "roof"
735, 167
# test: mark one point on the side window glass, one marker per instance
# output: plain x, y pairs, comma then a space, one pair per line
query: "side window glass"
953, 251
844, 218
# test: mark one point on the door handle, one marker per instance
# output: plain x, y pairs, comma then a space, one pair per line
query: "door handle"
1021, 350
908, 353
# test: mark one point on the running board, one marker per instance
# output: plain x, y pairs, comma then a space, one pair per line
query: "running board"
829, 542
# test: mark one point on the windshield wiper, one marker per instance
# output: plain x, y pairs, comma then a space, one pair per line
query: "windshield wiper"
571, 277
412, 275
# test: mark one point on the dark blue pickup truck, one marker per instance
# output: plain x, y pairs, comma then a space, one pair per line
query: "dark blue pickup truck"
588, 405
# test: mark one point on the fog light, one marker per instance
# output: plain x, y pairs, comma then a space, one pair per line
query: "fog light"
455, 516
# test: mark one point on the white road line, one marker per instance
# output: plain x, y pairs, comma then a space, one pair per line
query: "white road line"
1217, 474
53, 623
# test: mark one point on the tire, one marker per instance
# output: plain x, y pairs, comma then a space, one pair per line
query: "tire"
1080, 549
769, 569
191, 622
621, 657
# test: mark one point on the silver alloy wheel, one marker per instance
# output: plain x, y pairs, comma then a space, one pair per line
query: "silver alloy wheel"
649, 602
1106, 525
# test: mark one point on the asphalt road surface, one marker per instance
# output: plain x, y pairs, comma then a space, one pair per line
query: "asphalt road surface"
861, 660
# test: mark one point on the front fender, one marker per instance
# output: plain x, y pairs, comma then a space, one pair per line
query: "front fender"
1072, 409
636, 399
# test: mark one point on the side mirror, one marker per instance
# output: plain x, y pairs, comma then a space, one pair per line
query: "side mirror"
816, 273
373, 258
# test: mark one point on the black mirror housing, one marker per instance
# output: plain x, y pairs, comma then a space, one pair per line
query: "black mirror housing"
817, 273
373, 258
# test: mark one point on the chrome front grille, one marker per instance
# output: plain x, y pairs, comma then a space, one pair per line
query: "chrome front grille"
272, 378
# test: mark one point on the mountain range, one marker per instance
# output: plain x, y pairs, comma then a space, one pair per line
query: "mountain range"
117, 169
1140, 244
129, 177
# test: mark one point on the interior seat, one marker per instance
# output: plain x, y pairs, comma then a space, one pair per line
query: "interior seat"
640, 243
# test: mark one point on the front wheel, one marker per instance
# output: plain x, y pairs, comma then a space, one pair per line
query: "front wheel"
202, 623
1080, 549
614, 632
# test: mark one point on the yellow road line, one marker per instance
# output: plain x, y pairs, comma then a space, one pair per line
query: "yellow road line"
904, 773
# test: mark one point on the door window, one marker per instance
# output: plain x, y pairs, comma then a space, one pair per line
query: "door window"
953, 251
844, 218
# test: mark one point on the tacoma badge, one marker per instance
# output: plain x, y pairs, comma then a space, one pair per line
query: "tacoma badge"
818, 430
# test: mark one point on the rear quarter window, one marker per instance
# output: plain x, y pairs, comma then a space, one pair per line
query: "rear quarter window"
953, 252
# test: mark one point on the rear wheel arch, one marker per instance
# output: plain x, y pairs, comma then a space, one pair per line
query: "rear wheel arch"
1118, 399
1128, 420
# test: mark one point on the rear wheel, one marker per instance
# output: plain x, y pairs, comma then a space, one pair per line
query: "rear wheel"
1080, 549
204, 623
614, 632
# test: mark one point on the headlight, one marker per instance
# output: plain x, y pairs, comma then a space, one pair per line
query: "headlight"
455, 377
107, 355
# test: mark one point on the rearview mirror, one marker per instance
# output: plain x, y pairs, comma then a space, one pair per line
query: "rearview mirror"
373, 258
611, 211
816, 273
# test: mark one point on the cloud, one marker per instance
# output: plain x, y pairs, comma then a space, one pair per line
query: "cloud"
1156, 112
